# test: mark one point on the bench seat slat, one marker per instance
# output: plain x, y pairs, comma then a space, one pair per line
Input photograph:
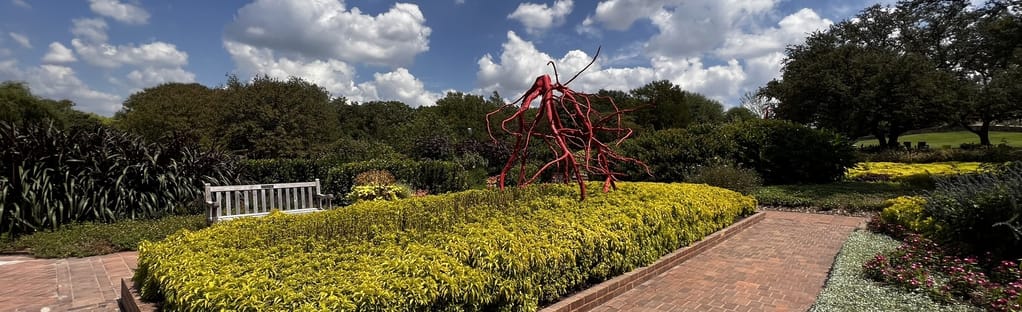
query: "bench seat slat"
235, 201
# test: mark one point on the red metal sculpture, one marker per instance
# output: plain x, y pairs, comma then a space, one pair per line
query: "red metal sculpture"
567, 122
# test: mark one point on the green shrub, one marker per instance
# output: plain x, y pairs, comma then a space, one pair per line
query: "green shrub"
90, 239
783, 152
51, 177
728, 176
475, 250
982, 211
282, 170
433, 176
378, 192
907, 211
673, 154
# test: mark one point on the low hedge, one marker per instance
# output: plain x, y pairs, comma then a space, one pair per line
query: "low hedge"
921, 174
434, 176
282, 170
479, 250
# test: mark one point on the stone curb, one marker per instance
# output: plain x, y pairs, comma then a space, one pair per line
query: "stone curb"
601, 293
583, 301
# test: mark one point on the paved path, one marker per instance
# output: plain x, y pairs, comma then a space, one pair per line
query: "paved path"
778, 264
75, 284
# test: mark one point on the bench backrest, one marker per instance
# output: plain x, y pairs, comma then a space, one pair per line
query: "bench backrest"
259, 199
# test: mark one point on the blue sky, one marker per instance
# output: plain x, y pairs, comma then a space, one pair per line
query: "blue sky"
97, 52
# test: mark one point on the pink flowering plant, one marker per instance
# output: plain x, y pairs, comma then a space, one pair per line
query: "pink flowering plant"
924, 266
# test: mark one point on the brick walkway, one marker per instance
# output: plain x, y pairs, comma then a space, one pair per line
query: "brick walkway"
778, 264
75, 284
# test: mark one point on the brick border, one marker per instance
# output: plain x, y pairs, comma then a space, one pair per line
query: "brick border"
601, 293
580, 302
131, 301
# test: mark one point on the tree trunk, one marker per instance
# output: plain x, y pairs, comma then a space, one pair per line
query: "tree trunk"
881, 138
983, 131
892, 141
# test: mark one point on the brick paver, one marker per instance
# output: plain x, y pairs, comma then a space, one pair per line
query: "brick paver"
75, 284
778, 264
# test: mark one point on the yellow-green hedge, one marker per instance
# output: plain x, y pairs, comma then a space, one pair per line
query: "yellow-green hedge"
890, 171
469, 251
908, 211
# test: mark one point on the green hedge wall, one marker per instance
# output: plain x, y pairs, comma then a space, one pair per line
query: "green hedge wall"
434, 176
480, 250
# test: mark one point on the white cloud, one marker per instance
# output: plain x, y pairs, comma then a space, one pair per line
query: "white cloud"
792, 29
326, 29
59, 54
61, 82
122, 12
539, 17
398, 85
151, 76
334, 75
21, 39
21, 3
320, 41
520, 63
91, 29
158, 54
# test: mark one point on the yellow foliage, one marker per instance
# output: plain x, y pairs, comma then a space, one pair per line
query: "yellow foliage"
908, 211
889, 171
506, 250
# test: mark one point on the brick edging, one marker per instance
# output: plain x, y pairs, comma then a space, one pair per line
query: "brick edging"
601, 293
579, 302
130, 300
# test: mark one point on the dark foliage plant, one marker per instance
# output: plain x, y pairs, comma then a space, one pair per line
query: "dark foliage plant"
432, 176
983, 211
50, 177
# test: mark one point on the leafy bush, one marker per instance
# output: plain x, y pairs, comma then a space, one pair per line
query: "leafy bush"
673, 154
90, 239
788, 153
374, 177
728, 176
907, 211
282, 170
378, 192
475, 250
917, 174
847, 290
981, 211
52, 177
781, 152
433, 176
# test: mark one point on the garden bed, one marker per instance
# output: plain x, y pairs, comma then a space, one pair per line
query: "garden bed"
475, 250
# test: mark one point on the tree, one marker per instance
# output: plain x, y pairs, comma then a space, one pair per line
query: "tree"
174, 109
739, 114
703, 109
373, 121
464, 114
758, 104
857, 78
859, 90
272, 118
19, 106
669, 108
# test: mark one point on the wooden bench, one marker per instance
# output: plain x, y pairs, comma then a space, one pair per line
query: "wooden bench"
235, 201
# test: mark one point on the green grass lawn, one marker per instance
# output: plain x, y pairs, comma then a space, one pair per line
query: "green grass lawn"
954, 139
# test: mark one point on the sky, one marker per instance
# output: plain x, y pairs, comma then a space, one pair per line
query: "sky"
98, 52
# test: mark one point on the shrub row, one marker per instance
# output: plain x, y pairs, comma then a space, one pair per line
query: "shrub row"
50, 177
479, 250
781, 152
1000, 153
433, 176
917, 174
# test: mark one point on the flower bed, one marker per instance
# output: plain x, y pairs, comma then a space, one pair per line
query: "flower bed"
474, 250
